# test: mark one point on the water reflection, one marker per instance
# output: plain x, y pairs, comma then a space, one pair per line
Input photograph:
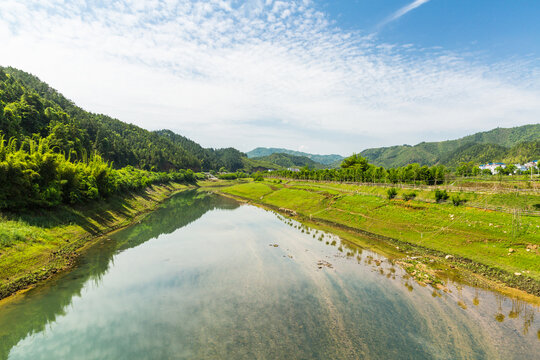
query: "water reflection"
32, 312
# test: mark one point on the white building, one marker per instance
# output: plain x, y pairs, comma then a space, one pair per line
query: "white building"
492, 167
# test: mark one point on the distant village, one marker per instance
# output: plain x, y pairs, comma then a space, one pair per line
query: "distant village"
517, 168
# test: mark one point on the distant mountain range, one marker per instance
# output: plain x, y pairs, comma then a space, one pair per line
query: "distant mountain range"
518, 144
328, 160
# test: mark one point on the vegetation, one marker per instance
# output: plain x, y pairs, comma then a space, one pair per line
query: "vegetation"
441, 195
289, 161
356, 168
409, 195
33, 175
328, 160
30, 107
392, 193
518, 144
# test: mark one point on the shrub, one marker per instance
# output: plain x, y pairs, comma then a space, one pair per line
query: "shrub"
392, 192
457, 200
409, 196
441, 195
257, 176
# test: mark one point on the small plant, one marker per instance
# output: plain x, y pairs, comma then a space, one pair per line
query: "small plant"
457, 200
392, 192
409, 196
441, 195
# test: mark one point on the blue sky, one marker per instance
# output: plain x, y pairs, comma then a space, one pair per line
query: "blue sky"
312, 75
496, 29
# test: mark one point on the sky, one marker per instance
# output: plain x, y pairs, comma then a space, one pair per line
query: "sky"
318, 76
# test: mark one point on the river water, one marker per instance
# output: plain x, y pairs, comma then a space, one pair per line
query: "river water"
206, 278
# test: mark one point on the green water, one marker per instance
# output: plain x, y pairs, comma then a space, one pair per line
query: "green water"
201, 279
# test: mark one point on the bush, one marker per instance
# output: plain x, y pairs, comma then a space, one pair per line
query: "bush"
392, 192
257, 176
228, 176
409, 196
457, 200
441, 195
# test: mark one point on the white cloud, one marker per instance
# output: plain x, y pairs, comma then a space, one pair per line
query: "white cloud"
258, 73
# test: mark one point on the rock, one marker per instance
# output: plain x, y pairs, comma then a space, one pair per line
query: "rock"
448, 257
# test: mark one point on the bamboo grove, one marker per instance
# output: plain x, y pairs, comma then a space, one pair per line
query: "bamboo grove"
34, 174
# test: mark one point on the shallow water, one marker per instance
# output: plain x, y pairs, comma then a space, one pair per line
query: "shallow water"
205, 278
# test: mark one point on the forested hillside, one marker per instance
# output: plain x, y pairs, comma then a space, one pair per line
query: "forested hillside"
288, 161
210, 159
518, 144
30, 106
53, 152
332, 160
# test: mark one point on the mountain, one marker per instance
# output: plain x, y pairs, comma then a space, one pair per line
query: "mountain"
328, 160
229, 158
30, 107
288, 161
500, 144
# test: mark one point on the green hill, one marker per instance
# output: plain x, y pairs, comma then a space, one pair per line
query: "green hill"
30, 107
500, 144
328, 160
288, 161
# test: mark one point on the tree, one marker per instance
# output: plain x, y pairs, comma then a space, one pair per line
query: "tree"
355, 161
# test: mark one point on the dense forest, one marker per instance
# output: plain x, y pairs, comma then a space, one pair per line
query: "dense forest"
327, 160
289, 161
512, 145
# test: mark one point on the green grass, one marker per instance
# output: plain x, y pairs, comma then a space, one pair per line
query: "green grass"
493, 199
483, 236
250, 189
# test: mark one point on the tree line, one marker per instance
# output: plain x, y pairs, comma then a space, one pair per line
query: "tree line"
357, 169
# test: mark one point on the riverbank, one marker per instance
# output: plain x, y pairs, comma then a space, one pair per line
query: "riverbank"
495, 248
38, 244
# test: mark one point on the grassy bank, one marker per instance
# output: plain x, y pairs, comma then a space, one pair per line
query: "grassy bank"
37, 244
500, 245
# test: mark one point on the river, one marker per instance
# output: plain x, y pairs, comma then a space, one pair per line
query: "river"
204, 277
